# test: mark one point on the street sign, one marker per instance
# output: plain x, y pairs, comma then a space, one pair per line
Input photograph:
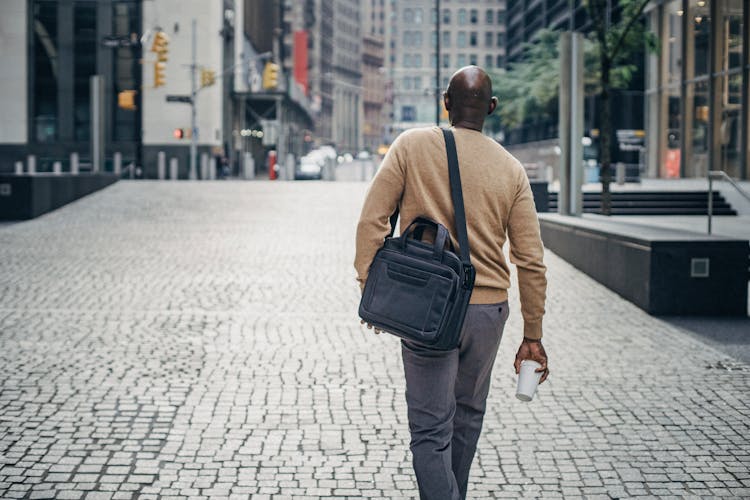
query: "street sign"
116, 42
179, 98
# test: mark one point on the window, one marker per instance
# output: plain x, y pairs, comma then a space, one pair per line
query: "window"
461, 17
417, 16
473, 59
474, 16
446, 41
461, 60
446, 16
417, 83
488, 38
473, 39
408, 113
500, 40
446, 61
500, 16
433, 39
487, 61
45, 71
499, 62
417, 60
407, 83
489, 16
408, 16
461, 39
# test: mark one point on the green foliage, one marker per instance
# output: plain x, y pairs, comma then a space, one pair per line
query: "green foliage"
528, 90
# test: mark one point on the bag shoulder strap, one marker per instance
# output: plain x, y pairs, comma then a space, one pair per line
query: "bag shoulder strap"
457, 196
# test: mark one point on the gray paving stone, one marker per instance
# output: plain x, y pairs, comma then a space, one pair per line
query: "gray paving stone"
195, 340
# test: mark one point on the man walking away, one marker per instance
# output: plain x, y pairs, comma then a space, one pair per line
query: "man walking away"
446, 391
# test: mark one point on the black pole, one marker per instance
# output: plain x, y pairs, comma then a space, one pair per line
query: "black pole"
744, 171
437, 62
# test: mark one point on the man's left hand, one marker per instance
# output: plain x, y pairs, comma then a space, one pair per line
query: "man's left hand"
369, 326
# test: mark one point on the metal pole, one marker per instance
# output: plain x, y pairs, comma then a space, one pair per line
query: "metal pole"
97, 123
710, 200
193, 94
564, 123
437, 62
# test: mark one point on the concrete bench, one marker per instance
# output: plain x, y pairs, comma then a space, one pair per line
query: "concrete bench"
28, 196
663, 271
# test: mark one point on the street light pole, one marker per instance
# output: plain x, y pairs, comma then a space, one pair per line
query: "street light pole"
437, 62
193, 95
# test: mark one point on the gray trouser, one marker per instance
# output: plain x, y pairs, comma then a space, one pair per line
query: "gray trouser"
446, 395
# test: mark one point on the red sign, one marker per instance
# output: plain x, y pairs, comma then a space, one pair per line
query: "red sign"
300, 59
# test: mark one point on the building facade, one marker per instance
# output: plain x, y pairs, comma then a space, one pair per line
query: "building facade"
470, 33
375, 94
346, 126
697, 88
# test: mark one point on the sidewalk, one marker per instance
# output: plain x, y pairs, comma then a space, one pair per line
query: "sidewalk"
200, 340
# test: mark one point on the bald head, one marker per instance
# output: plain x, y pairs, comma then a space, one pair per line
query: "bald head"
469, 97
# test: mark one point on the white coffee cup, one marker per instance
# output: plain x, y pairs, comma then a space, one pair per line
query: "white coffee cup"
528, 379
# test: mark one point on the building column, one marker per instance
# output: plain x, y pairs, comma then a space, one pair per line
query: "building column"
745, 156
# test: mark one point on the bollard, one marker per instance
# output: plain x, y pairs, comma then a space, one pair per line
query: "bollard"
248, 166
19, 168
57, 168
117, 164
32, 164
212, 169
204, 166
173, 168
192, 171
620, 173
74, 168
161, 165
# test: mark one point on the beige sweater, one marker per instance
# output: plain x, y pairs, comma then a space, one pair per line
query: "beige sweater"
497, 200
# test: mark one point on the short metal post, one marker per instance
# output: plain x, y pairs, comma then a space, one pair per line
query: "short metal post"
212, 168
710, 201
57, 168
74, 165
117, 163
204, 166
248, 166
173, 168
19, 168
620, 173
161, 165
31, 164
193, 171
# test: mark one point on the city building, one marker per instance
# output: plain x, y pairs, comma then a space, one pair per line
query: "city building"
321, 70
149, 55
346, 125
470, 33
697, 88
376, 95
525, 18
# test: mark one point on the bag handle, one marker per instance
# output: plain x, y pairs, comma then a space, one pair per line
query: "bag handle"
441, 234
458, 208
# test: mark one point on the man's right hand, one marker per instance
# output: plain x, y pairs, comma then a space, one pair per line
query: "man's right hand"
534, 350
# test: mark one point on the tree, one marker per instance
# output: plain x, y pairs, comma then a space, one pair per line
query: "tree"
614, 43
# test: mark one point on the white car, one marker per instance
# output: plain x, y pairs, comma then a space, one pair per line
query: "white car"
309, 167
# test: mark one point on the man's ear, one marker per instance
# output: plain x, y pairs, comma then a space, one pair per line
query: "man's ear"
447, 101
493, 105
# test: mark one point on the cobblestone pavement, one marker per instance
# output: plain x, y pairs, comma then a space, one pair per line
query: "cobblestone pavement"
201, 340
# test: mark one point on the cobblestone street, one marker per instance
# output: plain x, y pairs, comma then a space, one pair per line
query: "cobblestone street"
201, 340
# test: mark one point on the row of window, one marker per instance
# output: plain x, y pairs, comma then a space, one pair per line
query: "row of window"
463, 17
490, 61
414, 39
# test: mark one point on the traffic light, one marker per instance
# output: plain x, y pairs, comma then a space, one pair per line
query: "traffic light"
271, 76
160, 46
179, 133
159, 74
126, 100
208, 77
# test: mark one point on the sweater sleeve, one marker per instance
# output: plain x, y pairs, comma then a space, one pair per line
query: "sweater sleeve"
381, 201
527, 253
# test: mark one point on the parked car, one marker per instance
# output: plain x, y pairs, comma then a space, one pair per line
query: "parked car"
309, 168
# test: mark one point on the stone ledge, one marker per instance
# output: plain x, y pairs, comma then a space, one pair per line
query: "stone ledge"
653, 267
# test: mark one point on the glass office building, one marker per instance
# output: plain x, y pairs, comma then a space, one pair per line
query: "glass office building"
697, 88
